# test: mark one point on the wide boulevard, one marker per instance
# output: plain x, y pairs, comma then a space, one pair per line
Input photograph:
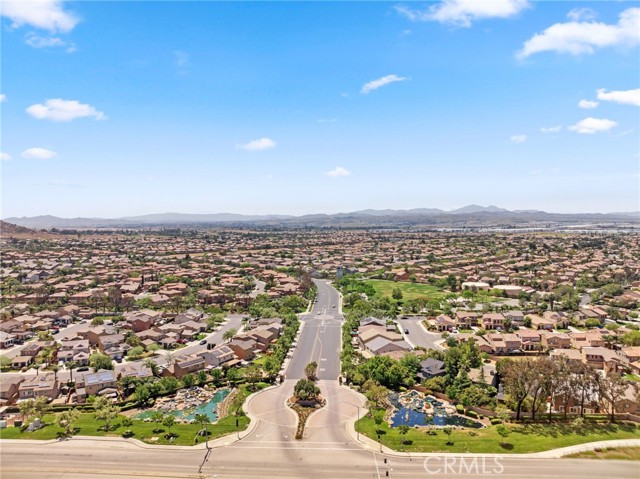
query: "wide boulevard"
270, 450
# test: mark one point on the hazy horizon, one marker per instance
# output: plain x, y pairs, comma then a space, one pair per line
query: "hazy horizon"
278, 213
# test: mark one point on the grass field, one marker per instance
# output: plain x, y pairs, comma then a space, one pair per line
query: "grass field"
523, 438
626, 453
409, 290
144, 431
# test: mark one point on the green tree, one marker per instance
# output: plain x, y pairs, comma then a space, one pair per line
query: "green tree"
27, 409
41, 406
5, 363
396, 294
169, 421
153, 366
67, 419
71, 365
228, 335
135, 353
201, 377
253, 374
448, 431
310, 370
100, 361
504, 432
632, 338
127, 422
306, 390
142, 394
216, 374
188, 380
106, 411
403, 430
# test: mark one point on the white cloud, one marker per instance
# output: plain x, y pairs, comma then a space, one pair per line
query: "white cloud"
628, 97
582, 14
592, 125
259, 145
63, 110
38, 154
380, 82
338, 171
579, 37
37, 41
587, 104
181, 58
3, 97
45, 14
327, 120
551, 129
464, 12
5, 156
518, 138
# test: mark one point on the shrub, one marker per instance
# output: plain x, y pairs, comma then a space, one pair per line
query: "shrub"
459, 408
495, 421
472, 414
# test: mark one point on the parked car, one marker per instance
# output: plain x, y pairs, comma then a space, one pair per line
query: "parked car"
204, 341
84, 368
406, 331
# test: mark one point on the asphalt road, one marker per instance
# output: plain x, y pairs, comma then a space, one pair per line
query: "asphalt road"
418, 335
276, 459
320, 338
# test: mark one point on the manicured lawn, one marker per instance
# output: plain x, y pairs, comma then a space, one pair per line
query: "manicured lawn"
523, 438
409, 290
144, 431
626, 453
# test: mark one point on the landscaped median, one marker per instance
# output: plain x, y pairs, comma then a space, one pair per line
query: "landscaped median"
521, 439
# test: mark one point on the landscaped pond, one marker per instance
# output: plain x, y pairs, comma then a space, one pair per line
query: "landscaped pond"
412, 418
414, 409
188, 403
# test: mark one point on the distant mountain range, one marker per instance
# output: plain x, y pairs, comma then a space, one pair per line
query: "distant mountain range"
473, 215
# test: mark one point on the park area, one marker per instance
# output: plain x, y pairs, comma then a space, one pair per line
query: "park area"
149, 432
521, 438
168, 428
409, 290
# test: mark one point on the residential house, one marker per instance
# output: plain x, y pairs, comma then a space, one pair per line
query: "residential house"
466, 319
45, 385
430, 368
184, 365
531, 340
492, 320
244, 348
551, 340
217, 357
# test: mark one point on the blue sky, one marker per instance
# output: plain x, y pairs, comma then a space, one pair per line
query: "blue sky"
123, 108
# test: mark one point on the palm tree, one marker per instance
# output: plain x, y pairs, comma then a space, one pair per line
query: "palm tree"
152, 365
71, 365
228, 335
